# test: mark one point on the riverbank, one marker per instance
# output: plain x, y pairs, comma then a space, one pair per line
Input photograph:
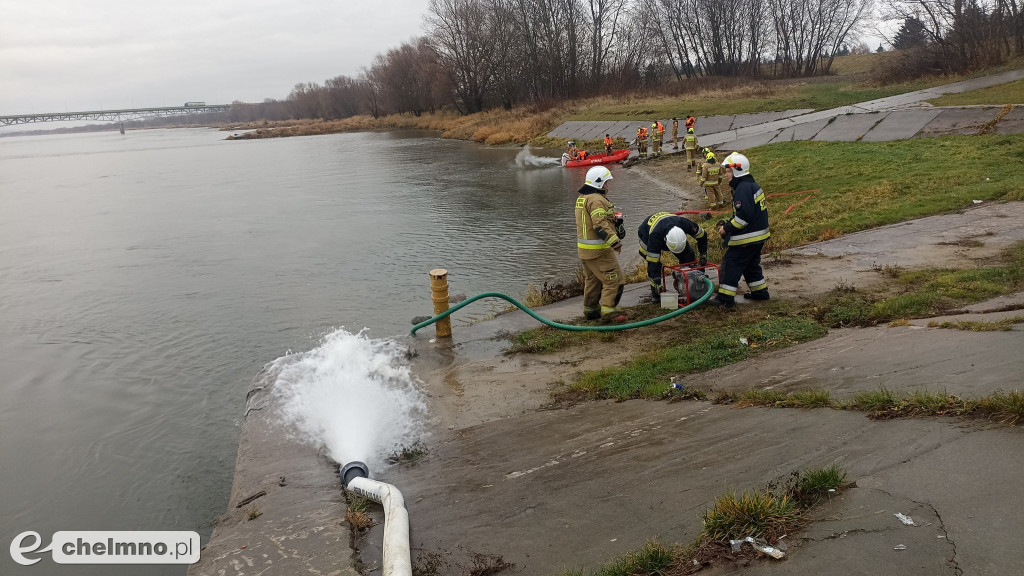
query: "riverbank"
497, 471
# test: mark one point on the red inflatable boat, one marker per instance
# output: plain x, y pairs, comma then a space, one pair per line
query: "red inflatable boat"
595, 159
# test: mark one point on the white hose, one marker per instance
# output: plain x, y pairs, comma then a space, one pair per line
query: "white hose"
397, 560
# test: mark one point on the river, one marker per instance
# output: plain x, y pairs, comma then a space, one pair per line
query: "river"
148, 277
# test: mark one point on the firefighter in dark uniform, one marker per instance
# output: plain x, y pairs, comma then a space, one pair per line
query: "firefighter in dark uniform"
666, 232
597, 243
744, 235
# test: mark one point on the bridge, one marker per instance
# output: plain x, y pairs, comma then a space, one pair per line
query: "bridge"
115, 115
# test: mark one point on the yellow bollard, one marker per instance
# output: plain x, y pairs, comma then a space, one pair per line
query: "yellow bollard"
439, 287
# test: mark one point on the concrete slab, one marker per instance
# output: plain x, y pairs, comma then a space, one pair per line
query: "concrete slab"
300, 528
977, 508
900, 125
595, 131
743, 120
713, 124
896, 245
847, 128
535, 491
959, 121
805, 131
861, 523
846, 362
567, 129
623, 129
1012, 122
748, 142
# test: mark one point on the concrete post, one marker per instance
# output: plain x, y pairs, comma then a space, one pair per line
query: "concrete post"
439, 288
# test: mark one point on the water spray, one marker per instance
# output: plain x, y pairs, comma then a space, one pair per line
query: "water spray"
355, 477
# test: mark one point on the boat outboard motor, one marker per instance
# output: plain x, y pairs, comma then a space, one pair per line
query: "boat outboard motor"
565, 158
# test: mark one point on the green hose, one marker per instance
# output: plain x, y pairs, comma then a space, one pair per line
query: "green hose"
648, 322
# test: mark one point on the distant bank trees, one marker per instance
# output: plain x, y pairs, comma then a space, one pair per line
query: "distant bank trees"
952, 36
481, 54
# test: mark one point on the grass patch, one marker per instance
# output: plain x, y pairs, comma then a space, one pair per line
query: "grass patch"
923, 176
652, 558
408, 454
923, 293
743, 98
771, 513
1003, 325
254, 512
1009, 93
1002, 407
883, 403
648, 375
811, 486
763, 513
357, 515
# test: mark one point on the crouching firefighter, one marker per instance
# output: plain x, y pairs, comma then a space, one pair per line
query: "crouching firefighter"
744, 235
666, 232
598, 240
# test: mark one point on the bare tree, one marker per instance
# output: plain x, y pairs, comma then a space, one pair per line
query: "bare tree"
460, 35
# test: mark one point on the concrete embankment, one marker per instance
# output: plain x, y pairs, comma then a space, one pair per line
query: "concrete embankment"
548, 490
892, 118
286, 514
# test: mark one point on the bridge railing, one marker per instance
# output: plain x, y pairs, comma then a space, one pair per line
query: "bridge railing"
114, 115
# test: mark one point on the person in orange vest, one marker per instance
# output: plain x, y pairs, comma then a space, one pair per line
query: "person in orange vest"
658, 132
691, 122
675, 133
608, 143
641, 141
574, 153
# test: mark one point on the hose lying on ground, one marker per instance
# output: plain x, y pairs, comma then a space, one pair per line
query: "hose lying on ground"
572, 327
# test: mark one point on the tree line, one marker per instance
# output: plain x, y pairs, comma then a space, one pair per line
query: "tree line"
482, 54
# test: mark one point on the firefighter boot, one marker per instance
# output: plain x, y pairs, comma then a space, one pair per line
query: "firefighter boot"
721, 301
758, 295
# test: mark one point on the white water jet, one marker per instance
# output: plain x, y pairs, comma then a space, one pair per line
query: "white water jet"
353, 395
526, 158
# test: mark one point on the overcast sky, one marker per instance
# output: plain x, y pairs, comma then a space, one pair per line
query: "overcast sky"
84, 55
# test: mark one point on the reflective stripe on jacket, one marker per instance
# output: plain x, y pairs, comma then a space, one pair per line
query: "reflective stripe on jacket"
595, 224
749, 222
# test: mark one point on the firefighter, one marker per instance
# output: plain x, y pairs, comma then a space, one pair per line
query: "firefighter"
691, 122
690, 145
608, 144
675, 133
658, 133
744, 235
666, 232
711, 179
641, 139
574, 153
597, 243
700, 163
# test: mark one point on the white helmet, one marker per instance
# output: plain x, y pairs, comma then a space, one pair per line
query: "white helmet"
676, 239
739, 164
597, 176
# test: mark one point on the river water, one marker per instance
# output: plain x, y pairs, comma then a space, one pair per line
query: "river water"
146, 278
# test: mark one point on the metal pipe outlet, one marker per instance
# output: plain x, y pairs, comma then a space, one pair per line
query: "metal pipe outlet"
397, 559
